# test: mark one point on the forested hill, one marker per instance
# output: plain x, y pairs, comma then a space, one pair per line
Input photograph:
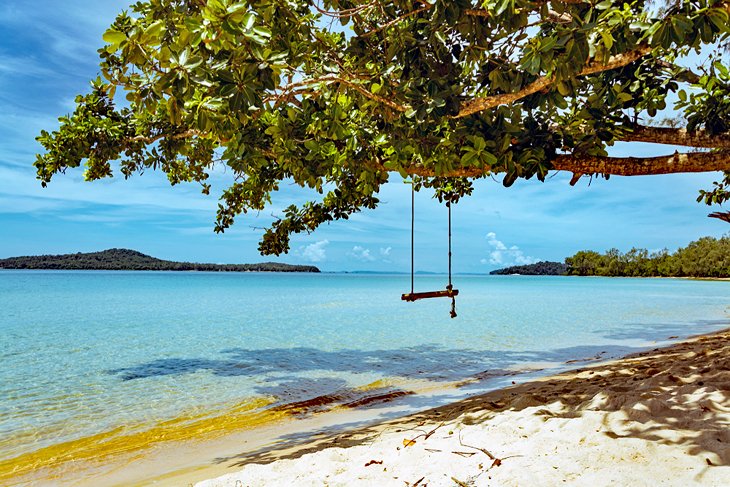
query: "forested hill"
538, 269
131, 260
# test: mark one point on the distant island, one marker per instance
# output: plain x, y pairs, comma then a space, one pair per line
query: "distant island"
707, 257
131, 260
538, 269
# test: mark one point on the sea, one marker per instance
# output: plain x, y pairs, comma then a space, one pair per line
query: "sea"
91, 358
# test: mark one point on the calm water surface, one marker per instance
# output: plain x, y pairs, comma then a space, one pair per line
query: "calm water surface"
83, 353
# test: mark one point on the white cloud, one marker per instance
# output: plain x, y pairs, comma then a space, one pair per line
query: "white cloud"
364, 254
361, 254
316, 252
501, 255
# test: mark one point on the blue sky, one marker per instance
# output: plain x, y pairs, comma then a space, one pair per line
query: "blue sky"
48, 55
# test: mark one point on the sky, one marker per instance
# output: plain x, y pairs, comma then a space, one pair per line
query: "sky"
47, 57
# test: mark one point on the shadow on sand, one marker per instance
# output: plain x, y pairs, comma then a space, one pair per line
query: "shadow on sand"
285, 373
678, 395
654, 392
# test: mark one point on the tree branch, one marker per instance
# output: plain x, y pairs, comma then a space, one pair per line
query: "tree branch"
676, 136
688, 75
337, 79
395, 21
721, 216
154, 138
618, 61
616, 166
644, 166
552, 15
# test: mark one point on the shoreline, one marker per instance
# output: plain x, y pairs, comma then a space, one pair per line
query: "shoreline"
295, 431
662, 414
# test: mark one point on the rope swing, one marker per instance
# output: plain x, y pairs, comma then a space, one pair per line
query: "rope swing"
449, 292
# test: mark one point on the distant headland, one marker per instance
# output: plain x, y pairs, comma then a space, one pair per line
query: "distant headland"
131, 260
537, 269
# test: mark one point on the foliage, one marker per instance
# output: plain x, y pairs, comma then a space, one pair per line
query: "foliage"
706, 257
538, 269
131, 260
336, 94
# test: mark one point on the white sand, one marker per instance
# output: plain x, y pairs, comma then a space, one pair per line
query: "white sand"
658, 418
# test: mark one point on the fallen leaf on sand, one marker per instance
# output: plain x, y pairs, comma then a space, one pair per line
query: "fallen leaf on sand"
407, 442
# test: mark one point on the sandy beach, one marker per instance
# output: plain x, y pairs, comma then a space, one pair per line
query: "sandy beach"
660, 417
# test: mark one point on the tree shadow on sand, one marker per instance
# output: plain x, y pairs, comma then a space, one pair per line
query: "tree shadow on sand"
654, 393
286, 373
677, 396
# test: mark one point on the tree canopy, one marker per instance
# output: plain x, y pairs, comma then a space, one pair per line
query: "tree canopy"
338, 95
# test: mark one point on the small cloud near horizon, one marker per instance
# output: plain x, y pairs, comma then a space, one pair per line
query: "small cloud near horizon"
364, 254
316, 252
385, 254
500, 254
361, 253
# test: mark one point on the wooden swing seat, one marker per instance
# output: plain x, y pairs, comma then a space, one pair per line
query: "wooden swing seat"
448, 293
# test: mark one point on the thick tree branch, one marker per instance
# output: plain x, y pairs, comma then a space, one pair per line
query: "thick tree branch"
645, 166
580, 165
616, 166
676, 136
484, 103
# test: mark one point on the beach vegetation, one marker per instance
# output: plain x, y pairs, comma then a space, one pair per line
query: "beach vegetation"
706, 257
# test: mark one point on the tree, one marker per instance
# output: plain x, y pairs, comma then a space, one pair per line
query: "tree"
337, 94
706, 257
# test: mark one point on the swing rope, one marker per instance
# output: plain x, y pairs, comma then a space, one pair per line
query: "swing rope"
450, 287
413, 220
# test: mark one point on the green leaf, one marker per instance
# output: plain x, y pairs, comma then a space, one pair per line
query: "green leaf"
564, 89
262, 31
469, 158
114, 37
607, 39
155, 29
248, 20
489, 159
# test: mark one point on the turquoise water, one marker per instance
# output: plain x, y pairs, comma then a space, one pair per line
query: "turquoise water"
84, 352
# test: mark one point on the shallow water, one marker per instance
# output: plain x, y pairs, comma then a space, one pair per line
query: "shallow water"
90, 357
